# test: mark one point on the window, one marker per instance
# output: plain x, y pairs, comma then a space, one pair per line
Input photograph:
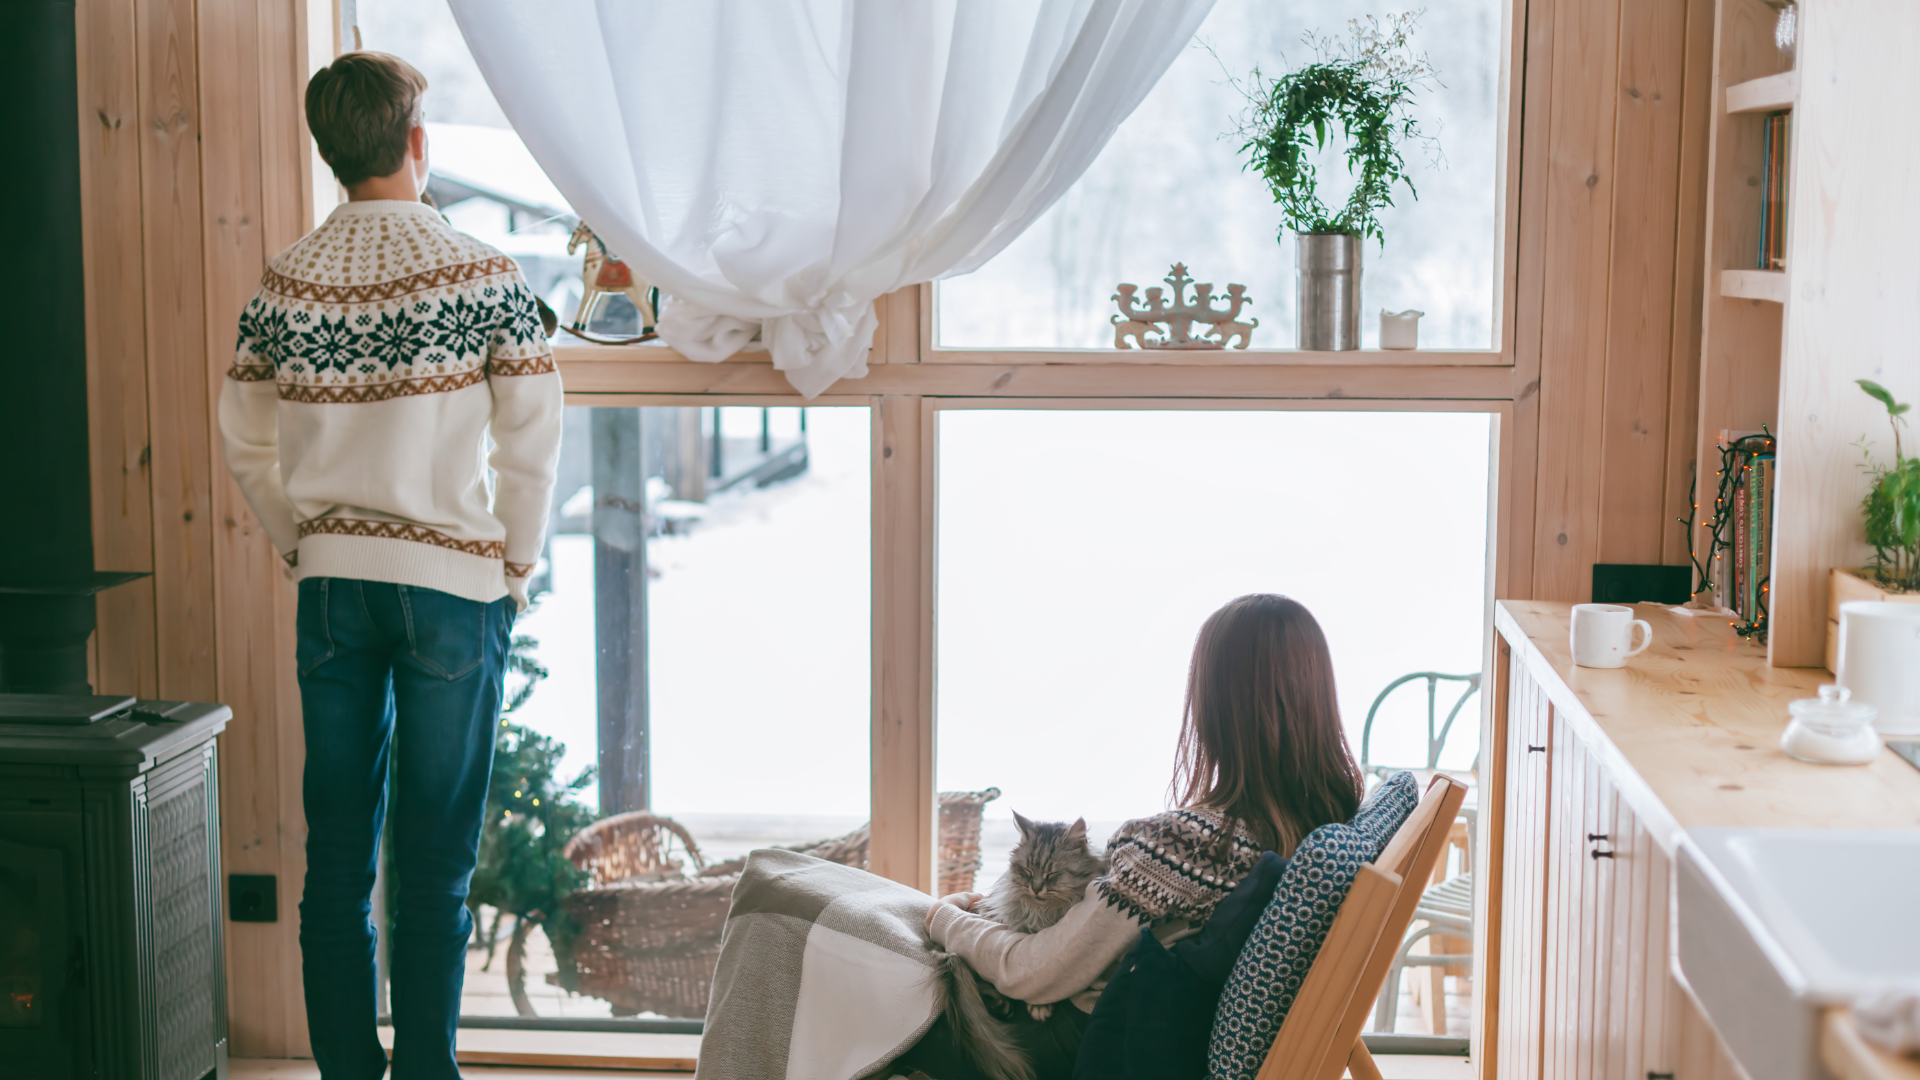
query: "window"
1169, 188
999, 560
720, 680
1079, 552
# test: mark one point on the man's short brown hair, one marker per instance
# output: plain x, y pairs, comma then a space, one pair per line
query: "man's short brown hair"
361, 109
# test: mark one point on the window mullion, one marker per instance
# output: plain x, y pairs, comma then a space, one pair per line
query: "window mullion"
903, 846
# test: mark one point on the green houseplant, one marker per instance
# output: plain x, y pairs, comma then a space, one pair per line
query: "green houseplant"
1366, 87
1892, 506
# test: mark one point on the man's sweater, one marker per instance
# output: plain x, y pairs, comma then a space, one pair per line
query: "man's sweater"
380, 354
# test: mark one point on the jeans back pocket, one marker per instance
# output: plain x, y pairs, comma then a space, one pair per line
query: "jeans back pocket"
446, 634
313, 633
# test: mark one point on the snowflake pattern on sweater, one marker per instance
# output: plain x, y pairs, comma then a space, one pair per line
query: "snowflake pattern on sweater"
393, 409
328, 336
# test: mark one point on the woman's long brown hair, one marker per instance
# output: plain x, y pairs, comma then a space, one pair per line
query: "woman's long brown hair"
1262, 739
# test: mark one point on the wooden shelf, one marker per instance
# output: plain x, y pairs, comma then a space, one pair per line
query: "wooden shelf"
1755, 284
1771, 94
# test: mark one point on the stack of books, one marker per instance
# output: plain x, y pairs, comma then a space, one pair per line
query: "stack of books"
1773, 192
1751, 558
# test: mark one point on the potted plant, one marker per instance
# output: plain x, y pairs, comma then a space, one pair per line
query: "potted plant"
1366, 86
1891, 516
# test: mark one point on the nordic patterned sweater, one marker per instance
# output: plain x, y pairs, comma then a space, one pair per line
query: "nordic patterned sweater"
380, 354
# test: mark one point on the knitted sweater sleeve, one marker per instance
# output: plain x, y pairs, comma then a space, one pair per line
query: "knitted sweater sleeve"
1042, 967
527, 401
250, 431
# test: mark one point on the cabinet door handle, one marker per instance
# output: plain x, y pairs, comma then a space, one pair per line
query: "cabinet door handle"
1598, 854
1659, 1076
1596, 836
1536, 749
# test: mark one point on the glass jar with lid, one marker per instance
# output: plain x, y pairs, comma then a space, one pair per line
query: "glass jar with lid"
1831, 730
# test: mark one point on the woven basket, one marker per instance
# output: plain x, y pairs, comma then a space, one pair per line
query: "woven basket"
650, 946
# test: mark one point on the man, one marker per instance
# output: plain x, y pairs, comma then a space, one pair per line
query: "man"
381, 354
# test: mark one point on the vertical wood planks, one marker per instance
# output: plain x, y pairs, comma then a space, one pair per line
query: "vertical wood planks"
1490, 963
1851, 222
1560, 1006
1618, 878
1640, 303
1579, 178
233, 72
1739, 339
1533, 24
903, 846
179, 421
122, 503
285, 215
1689, 280
1518, 937
189, 172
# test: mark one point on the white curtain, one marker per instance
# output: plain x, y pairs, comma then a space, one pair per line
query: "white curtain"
776, 165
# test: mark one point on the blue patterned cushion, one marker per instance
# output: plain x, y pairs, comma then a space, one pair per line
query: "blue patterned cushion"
1288, 936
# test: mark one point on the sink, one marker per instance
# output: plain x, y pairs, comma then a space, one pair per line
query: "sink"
1773, 925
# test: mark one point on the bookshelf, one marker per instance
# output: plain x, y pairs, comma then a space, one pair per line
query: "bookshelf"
1768, 285
1766, 94
1742, 307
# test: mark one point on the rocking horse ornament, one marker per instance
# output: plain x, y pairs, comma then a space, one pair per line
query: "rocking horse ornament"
602, 272
1160, 324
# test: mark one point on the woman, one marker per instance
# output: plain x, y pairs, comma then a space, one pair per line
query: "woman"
1263, 761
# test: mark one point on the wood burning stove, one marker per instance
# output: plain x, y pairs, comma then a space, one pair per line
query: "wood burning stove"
110, 922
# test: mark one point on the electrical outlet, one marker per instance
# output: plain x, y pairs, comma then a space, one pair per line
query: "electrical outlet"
253, 898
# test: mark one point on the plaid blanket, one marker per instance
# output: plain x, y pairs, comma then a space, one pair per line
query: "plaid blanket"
825, 973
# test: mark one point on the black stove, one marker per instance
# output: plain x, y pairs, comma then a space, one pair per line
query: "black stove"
110, 916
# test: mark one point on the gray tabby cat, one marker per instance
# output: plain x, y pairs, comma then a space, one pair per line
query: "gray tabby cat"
1048, 873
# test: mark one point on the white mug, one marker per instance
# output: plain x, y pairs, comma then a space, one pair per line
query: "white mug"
1603, 635
1880, 661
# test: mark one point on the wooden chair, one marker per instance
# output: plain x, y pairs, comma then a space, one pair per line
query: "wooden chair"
1320, 1037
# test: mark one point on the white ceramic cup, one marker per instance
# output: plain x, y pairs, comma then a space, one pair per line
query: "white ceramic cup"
1603, 635
1880, 661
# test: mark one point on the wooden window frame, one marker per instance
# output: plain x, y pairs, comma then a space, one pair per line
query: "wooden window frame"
905, 477
911, 379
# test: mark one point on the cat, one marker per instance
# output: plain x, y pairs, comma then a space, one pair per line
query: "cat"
1048, 873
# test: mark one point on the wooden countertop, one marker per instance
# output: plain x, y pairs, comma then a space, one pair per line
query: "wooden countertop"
1690, 729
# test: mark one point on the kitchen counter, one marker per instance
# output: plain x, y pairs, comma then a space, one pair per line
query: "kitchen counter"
1690, 729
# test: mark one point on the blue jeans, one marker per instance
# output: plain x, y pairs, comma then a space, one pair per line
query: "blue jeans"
413, 673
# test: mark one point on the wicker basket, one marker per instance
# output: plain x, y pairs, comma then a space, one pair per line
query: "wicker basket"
650, 946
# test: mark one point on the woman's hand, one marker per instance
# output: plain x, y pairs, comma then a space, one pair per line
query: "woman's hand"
962, 900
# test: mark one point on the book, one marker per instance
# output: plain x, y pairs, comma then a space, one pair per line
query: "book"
1775, 155
1737, 555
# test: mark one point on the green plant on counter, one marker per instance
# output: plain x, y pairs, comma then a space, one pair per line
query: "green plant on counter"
1892, 505
1366, 86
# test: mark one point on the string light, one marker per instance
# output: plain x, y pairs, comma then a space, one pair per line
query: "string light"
1736, 458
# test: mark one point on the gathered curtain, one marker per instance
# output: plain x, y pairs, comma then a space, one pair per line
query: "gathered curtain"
774, 166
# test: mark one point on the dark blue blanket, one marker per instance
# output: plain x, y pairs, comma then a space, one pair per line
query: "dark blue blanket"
1154, 1019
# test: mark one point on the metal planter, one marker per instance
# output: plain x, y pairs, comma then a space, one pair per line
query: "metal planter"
1329, 292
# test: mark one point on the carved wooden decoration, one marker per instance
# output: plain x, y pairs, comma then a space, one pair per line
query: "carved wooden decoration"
1161, 323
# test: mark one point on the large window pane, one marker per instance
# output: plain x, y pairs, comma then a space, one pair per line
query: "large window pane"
1169, 188
1079, 553
739, 709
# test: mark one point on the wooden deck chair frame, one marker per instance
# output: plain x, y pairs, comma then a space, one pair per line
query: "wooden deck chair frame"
1320, 1037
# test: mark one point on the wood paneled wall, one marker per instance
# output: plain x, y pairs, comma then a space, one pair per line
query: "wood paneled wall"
1606, 356
1854, 311
193, 170
197, 166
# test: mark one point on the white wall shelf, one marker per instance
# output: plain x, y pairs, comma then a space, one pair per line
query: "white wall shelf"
1755, 284
1771, 94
